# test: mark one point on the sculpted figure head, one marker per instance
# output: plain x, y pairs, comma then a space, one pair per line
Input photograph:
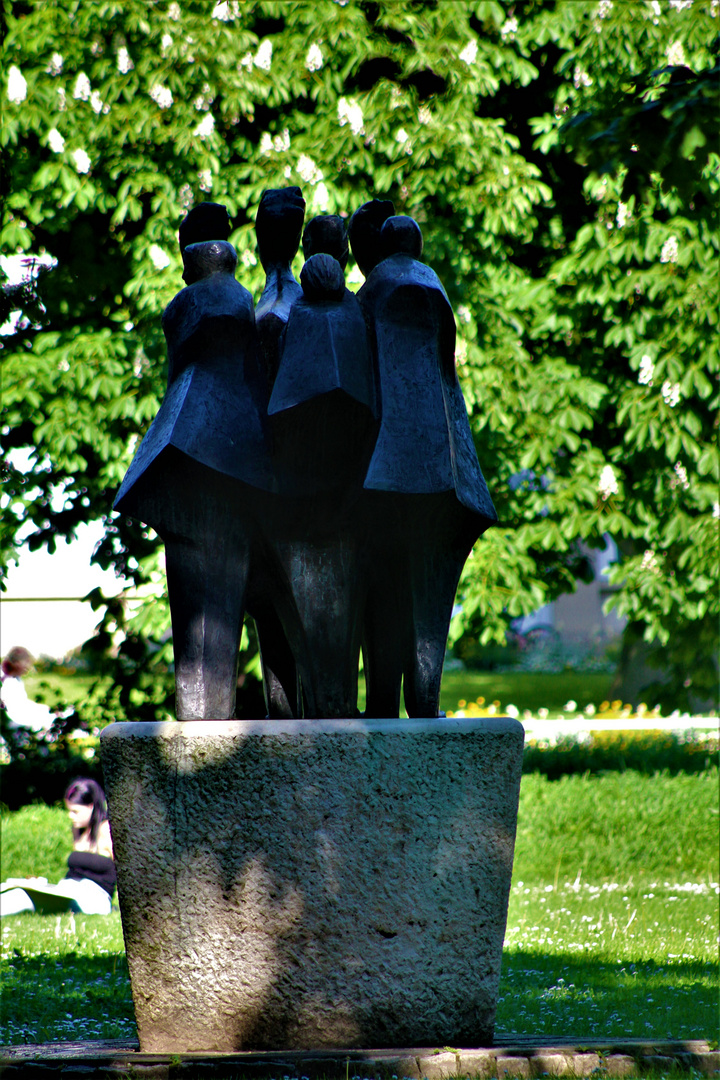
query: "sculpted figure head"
364, 230
322, 278
326, 234
278, 225
206, 221
204, 259
401, 235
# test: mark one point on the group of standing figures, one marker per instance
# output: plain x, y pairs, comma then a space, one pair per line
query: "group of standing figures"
311, 464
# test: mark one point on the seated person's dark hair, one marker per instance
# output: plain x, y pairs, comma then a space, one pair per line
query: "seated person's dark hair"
401, 235
206, 221
278, 224
326, 235
364, 231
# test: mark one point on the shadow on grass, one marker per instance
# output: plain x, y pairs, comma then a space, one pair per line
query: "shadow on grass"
566, 995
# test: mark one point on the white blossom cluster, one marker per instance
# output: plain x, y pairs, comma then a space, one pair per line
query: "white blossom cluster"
349, 112
165, 43
56, 64
82, 89
205, 180
509, 29
650, 561
204, 100
308, 170
669, 252
55, 141
647, 369
161, 95
604, 8
174, 11
622, 216
320, 196
671, 393
124, 62
469, 53
206, 126
680, 479
159, 258
263, 57
607, 484
424, 115
226, 10
82, 161
62, 99
675, 53
16, 85
314, 58
679, 5
581, 78
279, 143
716, 510
402, 137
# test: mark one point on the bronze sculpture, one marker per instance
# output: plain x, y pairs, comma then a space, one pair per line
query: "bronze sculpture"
312, 464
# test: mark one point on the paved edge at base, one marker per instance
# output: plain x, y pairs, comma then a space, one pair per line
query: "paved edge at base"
521, 1057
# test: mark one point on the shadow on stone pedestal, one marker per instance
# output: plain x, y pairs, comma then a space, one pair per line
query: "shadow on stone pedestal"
293, 884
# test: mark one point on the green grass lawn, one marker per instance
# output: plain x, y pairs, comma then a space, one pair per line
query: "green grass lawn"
612, 926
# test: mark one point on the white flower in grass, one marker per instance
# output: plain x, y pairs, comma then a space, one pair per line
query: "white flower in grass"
647, 368
161, 95
669, 253
205, 180
165, 43
56, 64
174, 11
543, 714
570, 706
349, 112
206, 126
714, 6
512, 710
679, 5
82, 89
314, 58
469, 53
675, 53
124, 62
56, 141
16, 85
509, 29
96, 102
589, 710
671, 393
607, 484
604, 8
159, 258
82, 161
263, 57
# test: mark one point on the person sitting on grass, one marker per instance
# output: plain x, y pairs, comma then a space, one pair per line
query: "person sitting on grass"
89, 884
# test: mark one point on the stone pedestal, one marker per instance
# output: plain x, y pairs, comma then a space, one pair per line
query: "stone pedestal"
313, 884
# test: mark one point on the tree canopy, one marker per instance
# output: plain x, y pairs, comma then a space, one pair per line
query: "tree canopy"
561, 158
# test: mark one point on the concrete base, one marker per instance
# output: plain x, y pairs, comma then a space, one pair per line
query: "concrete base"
313, 884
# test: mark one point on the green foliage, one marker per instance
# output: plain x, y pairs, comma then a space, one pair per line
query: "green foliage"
581, 270
645, 752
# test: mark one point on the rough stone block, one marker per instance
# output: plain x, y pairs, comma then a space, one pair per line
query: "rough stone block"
313, 884
619, 1065
550, 1065
513, 1067
478, 1064
438, 1066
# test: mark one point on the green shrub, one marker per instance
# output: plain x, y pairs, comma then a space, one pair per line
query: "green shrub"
602, 751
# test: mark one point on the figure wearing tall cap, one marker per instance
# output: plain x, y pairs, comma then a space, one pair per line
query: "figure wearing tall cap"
278, 225
322, 416
426, 501
203, 464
